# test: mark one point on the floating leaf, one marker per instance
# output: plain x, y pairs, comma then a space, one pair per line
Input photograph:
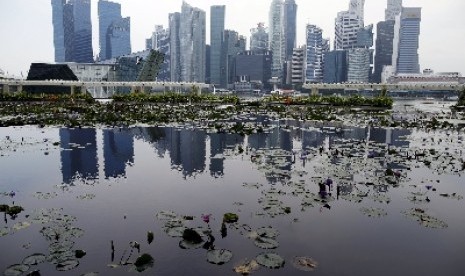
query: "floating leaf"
230, 218
35, 259
144, 262
189, 245
219, 256
192, 236
90, 274
304, 263
86, 197
246, 267
267, 232
166, 215
67, 265
41, 195
175, 232
21, 225
4, 231
266, 243
424, 219
270, 260
373, 212
16, 270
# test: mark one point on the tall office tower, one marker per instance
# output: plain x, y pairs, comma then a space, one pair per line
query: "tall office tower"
233, 45
58, 29
347, 24
192, 36
290, 22
160, 41
384, 40
359, 65
277, 38
115, 31
314, 68
335, 67
406, 41
259, 39
394, 7
298, 65
72, 31
119, 38
217, 17
255, 67
175, 46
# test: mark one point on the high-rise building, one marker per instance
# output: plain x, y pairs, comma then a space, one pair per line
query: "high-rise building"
233, 44
298, 65
347, 24
58, 29
384, 41
290, 22
217, 18
394, 7
277, 38
72, 28
108, 12
160, 41
192, 37
259, 39
358, 65
119, 38
406, 41
335, 67
314, 68
255, 67
175, 46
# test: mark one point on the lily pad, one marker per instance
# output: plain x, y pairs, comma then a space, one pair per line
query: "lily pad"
219, 256
144, 262
4, 231
270, 260
266, 243
373, 212
175, 232
35, 259
267, 232
304, 263
16, 270
230, 218
246, 267
21, 225
189, 245
166, 215
425, 219
67, 265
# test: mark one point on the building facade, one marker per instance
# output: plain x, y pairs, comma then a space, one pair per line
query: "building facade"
175, 46
335, 67
358, 65
290, 26
233, 45
394, 7
254, 67
406, 53
384, 48
314, 54
347, 24
259, 39
192, 35
58, 29
217, 18
108, 12
119, 38
160, 41
277, 38
298, 66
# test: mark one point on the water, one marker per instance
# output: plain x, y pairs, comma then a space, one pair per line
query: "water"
115, 182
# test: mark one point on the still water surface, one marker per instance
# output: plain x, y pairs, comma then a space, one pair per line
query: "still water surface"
115, 182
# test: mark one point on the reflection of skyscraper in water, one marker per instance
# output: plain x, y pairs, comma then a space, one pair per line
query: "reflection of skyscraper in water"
312, 139
173, 144
193, 151
118, 151
218, 143
79, 154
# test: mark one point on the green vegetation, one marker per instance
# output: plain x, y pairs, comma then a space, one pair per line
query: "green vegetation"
461, 101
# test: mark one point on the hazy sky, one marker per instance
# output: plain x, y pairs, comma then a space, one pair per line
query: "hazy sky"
26, 33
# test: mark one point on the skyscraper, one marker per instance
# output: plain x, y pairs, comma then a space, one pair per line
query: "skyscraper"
347, 24
259, 39
192, 36
217, 17
277, 38
384, 41
175, 46
314, 70
290, 21
335, 67
114, 31
72, 29
160, 41
58, 29
406, 42
298, 66
108, 12
394, 7
233, 45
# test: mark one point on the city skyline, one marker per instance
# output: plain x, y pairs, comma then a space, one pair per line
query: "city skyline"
440, 42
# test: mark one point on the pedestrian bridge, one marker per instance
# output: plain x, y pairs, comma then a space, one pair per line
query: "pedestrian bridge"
108, 89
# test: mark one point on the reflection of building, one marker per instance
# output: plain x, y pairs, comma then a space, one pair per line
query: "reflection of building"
79, 154
193, 151
218, 143
118, 151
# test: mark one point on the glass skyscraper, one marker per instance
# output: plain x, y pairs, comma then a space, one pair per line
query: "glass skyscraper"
114, 31
335, 67
290, 22
259, 39
406, 52
277, 38
72, 29
394, 7
175, 46
314, 71
347, 25
384, 40
217, 17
